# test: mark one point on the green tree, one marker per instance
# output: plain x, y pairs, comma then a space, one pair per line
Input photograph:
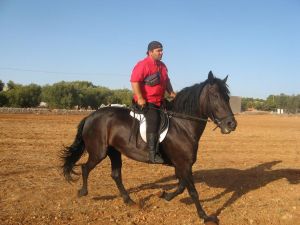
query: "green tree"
282, 101
24, 96
1, 85
244, 104
248, 103
292, 105
95, 96
61, 95
12, 85
3, 99
81, 85
123, 96
270, 104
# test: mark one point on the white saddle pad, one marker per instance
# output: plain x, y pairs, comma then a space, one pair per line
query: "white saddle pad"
143, 125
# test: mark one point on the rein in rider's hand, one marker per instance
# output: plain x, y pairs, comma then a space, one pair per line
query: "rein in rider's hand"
141, 102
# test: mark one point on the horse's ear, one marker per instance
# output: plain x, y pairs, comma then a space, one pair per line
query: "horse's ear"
225, 79
210, 77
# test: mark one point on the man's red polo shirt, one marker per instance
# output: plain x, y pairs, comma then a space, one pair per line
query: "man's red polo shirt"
145, 68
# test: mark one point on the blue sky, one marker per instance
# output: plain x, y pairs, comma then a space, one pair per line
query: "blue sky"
256, 42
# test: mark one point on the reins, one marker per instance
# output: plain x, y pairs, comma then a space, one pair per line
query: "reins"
185, 116
171, 114
181, 115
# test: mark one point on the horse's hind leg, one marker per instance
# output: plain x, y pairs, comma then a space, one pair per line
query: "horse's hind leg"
180, 188
95, 157
116, 174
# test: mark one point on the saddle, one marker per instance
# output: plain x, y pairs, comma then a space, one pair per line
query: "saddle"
163, 128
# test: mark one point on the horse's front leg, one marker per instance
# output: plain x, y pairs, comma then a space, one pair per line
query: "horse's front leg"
188, 178
179, 190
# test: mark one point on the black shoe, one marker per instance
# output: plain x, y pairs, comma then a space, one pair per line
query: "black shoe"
152, 141
155, 158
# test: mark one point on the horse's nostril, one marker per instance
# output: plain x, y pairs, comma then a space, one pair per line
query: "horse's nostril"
231, 124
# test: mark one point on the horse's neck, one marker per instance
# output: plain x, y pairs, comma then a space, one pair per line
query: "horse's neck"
199, 129
194, 129
204, 104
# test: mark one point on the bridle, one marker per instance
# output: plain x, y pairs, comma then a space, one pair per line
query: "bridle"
217, 121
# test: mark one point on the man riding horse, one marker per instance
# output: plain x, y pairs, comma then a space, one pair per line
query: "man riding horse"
107, 132
150, 81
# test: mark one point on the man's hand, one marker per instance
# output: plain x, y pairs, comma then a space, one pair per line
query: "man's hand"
137, 90
141, 102
172, 94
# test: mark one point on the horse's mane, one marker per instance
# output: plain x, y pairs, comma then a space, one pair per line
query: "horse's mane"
187, 100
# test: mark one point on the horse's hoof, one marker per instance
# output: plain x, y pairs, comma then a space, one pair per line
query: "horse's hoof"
165, 195
161, 194
211, 220
82, 192
129, 202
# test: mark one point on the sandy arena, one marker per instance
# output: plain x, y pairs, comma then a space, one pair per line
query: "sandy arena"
251, 176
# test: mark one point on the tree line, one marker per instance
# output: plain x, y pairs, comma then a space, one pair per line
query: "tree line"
290, 103
85, 94
62, 95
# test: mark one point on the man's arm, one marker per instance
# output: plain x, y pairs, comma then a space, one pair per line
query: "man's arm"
137, 91
170, 89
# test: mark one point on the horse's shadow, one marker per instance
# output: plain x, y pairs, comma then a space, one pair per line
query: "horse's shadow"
235, 181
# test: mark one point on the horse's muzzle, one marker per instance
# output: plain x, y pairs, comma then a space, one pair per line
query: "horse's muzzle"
227, 125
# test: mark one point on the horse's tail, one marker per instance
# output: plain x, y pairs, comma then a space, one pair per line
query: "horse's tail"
71, 154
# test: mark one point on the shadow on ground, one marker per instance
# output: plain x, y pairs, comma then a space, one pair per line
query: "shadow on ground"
235, 181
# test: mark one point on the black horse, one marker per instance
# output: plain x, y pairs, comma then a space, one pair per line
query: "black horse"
108, 131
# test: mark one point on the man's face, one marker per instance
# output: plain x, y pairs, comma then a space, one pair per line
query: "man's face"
156, 54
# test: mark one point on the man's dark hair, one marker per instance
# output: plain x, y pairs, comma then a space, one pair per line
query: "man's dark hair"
153, 45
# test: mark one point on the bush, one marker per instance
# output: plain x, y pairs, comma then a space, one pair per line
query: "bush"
24, 96
3, 99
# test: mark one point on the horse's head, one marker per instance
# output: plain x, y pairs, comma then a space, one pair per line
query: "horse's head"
215, 96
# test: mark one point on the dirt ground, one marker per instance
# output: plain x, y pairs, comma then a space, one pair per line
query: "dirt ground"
251, 176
